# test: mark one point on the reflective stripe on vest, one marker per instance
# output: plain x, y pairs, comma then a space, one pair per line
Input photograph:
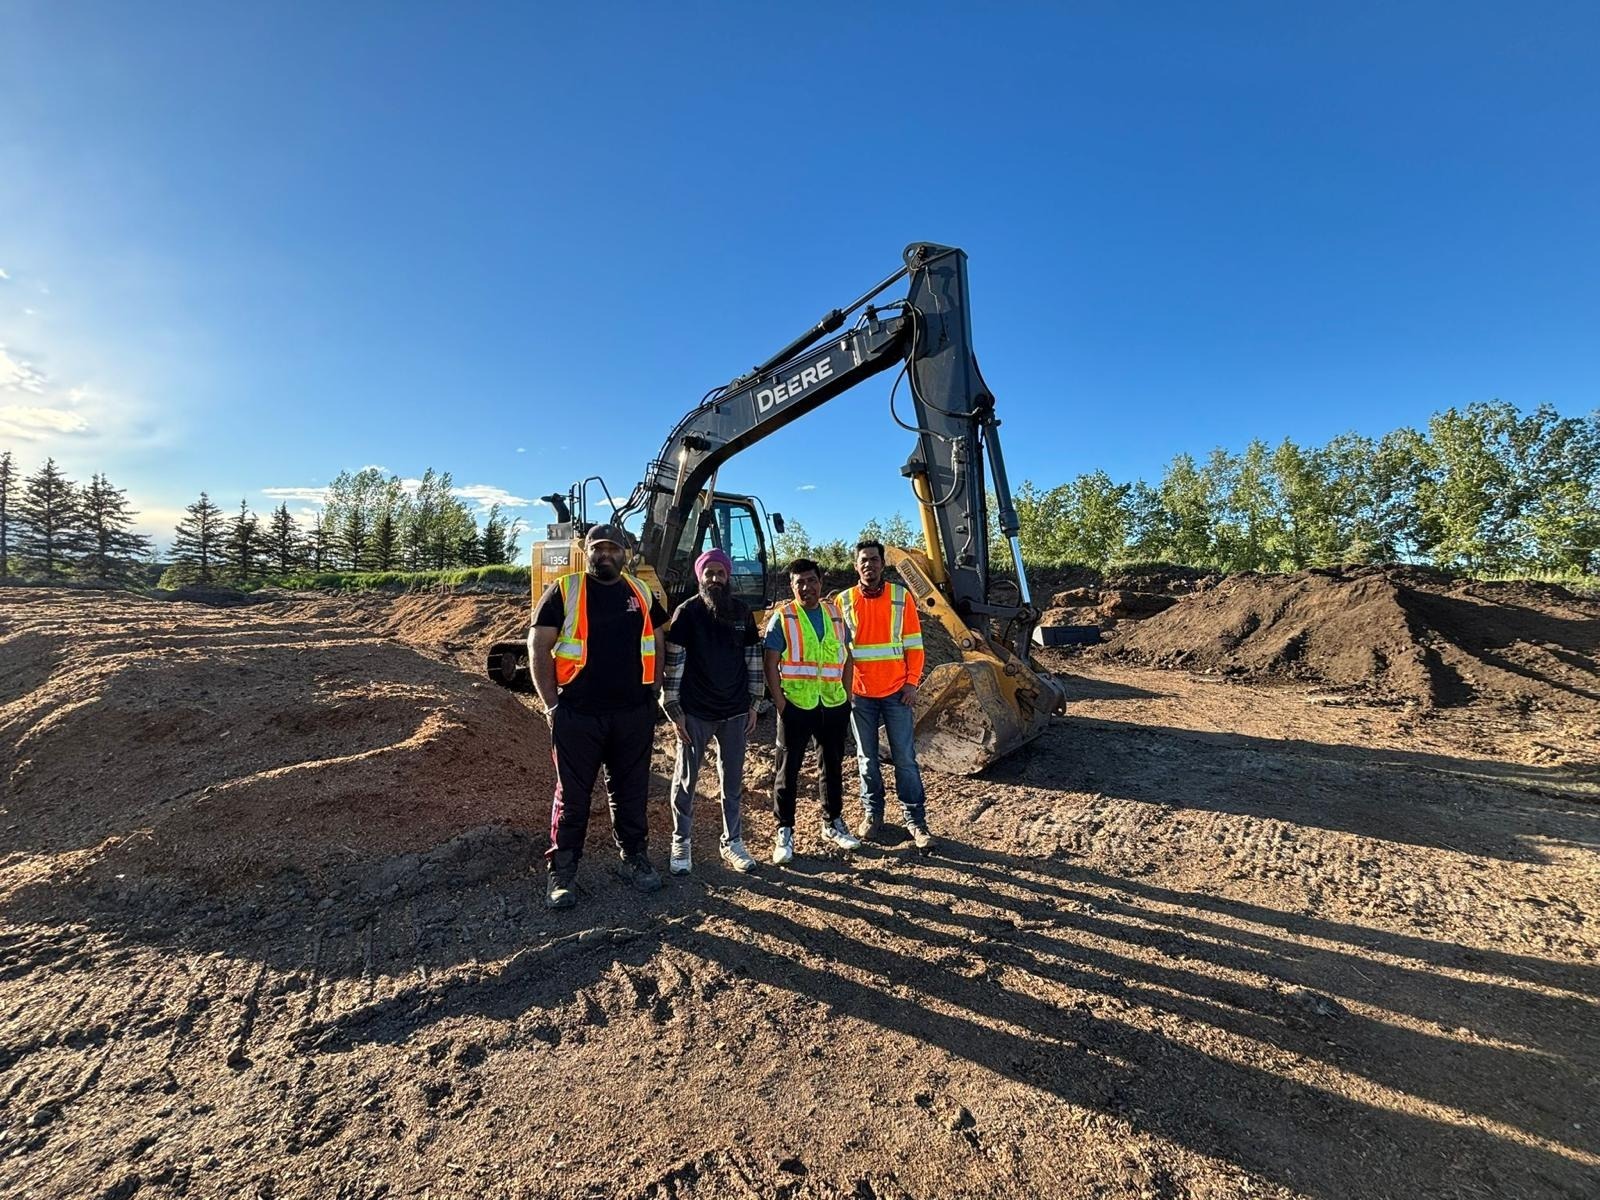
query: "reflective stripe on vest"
571, 650
808, 680
898, 642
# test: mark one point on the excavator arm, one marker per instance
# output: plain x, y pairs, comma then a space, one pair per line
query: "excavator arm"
993, 700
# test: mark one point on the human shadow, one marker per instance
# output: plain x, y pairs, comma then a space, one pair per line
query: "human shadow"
1200, 970
1296, 1134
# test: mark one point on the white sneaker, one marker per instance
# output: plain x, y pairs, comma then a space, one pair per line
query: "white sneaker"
921, 836
837, 832
783, 847
737, 857
680, 863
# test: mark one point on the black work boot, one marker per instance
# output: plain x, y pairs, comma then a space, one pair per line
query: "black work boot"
560, 891
637, 870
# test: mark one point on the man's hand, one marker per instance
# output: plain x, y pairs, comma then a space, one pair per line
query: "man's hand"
908, 694
682, 728
750, 721
779, 703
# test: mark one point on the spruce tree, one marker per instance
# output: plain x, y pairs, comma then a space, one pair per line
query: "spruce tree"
354, 533
384, 552
317, 543
49, 536
284, 551
110, 545
197, 544
242, 549
493, 547
8, 502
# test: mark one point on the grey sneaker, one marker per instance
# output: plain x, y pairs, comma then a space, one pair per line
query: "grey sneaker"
921, 836
681, 863
737, 857
644, 877
870, 829
836, 832
783, 847
560, 891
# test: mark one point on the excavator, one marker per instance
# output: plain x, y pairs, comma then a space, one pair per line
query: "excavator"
969, 712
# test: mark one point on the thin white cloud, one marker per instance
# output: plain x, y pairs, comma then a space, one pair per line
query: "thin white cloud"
17, 375
483, 495
522, 449
33, 422
806, 487
4, 274
30, 312
304, 495
486, 495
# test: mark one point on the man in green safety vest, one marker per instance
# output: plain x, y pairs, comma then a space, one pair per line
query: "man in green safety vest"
808, 670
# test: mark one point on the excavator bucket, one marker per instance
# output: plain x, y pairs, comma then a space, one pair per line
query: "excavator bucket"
971, 713
981, 701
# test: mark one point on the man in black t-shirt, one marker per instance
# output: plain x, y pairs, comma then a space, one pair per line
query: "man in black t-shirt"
593, 649
710, 687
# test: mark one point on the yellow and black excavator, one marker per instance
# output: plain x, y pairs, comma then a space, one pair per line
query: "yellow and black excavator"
970, 711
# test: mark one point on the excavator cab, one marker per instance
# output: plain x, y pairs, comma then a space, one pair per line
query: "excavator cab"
733, 524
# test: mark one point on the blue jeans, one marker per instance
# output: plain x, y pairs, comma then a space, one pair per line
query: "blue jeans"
866, 715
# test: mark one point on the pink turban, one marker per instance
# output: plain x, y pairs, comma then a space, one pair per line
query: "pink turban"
712, 556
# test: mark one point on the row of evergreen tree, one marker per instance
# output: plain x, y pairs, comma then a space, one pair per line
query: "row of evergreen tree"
366, 523
53, 528
1487, 489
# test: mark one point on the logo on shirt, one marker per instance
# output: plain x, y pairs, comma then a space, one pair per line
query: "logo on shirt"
633, 604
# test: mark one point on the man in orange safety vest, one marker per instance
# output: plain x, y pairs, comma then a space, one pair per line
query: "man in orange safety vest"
886, 648
593, 651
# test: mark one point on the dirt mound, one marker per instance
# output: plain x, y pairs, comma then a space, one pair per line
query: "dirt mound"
1404, 632
219, 746
460, 628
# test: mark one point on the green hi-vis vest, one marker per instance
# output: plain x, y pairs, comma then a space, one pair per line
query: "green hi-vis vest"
812, 668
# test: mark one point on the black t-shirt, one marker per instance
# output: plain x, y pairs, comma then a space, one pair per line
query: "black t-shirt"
716, 681
612, 673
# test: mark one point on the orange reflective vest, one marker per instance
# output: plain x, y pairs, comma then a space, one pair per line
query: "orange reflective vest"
885, 640
572, 642
812, 667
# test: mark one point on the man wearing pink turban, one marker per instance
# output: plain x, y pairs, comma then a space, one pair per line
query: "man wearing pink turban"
710, 687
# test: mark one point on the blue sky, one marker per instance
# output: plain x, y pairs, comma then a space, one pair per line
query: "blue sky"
245, 247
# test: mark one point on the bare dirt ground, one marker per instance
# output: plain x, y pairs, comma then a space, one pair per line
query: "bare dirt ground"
271, 927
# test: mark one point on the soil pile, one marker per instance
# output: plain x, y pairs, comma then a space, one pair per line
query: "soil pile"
457, 627
218, 746
1403, 632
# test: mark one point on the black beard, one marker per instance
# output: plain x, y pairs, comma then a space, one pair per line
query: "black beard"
718, 599
603, 571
